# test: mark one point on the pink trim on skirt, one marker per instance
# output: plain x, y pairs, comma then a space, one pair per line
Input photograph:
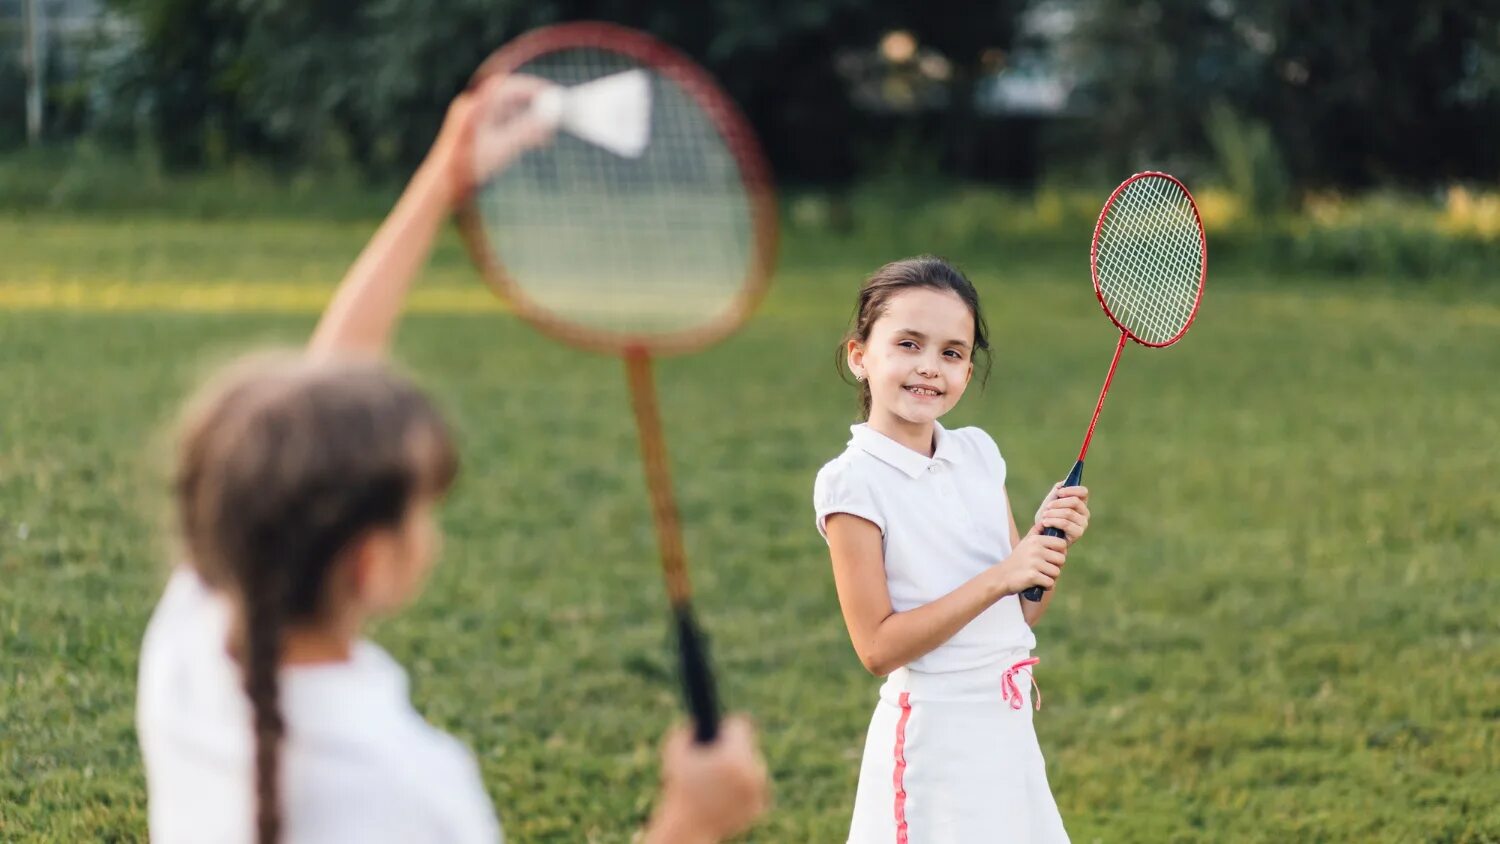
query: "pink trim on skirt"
900, 773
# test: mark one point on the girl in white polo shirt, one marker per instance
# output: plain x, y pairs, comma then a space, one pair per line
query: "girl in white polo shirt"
929, 565
305, 492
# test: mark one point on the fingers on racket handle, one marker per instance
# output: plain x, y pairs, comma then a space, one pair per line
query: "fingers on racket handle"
697, 678
1074, 478
1034, 594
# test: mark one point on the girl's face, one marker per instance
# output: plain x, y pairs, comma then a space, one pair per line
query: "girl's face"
393, 563
918, 357
421, 541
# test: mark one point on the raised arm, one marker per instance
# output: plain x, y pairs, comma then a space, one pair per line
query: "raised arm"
485, 129
885, 639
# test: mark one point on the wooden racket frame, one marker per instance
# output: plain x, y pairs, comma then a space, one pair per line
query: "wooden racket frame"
637, 349
739, 140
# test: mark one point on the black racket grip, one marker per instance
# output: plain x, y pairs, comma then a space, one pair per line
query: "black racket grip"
697, 678
1074, 478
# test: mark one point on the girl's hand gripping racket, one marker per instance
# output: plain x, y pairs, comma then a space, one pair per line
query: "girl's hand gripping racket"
646, 227
1149, 262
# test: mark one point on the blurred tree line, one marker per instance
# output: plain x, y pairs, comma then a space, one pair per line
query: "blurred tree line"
1343, 93
1272, 95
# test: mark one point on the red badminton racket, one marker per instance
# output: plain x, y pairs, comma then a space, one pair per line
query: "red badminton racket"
1149, 261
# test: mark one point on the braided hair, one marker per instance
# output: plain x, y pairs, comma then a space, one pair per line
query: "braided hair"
282, 463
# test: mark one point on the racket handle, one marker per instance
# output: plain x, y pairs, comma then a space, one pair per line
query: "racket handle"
697, 677
1034, 594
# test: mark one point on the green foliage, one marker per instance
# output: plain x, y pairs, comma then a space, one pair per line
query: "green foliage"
1247, 159
1405, 237
12, 102
366, 84
92, 178
1400, 236
1349, 98
1281, 627
1359, 95
1383, 238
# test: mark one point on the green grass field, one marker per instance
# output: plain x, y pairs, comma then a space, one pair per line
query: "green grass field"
1282, 626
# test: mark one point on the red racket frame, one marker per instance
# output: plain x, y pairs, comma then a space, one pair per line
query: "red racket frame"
1126, 333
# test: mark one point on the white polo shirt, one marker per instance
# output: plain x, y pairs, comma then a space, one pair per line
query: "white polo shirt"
358, 763
942, 520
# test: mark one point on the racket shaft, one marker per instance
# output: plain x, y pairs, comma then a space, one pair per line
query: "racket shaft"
697, 677
658, 477
1075, 477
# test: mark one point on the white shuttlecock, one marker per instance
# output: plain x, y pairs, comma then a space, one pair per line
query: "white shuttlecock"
613, 112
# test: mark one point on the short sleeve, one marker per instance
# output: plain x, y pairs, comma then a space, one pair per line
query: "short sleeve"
839, 489
441, 776
468, 815
994, 462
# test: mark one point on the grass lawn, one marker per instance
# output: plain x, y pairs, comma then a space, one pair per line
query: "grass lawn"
1282, 626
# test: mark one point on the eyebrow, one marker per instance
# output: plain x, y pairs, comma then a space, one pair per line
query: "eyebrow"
917, 335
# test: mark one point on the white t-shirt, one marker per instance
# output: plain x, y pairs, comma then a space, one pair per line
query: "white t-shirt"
357, 763
942, 521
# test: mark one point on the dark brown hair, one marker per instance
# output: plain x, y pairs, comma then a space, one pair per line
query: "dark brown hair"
925, 271
282, 462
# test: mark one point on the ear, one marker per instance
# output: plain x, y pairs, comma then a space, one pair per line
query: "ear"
969, 374
368, 568
855, 355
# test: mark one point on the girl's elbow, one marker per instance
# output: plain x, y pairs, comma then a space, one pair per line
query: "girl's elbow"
876, 663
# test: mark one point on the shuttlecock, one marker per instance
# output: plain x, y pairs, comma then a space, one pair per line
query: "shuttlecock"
612, 112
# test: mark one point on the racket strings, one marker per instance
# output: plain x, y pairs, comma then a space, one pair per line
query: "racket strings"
1154, 300
1149, 259
1154, 311
1150, 264
656, 244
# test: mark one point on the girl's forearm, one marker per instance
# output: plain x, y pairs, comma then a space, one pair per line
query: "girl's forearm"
368, 301
1033, 611
905, 636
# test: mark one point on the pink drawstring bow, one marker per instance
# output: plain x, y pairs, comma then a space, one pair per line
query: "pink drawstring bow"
1011, 693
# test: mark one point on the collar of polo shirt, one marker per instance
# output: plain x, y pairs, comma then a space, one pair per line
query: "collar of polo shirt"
910, 463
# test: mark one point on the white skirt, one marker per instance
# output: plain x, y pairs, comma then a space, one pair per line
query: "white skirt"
952, 758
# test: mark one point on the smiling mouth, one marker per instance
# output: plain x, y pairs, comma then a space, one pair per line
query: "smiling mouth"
924, 392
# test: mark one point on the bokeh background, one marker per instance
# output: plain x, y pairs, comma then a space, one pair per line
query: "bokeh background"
1282, 627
